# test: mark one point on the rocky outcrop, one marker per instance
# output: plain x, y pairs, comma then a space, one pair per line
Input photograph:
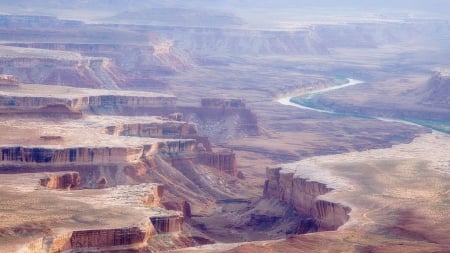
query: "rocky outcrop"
97, 167
182, 206
177, 146
78, 155
167, 224
156, 198
8, 80
104, 99
168, 129
122, 101
94, 240
37, 102
224, 161
108, 237
62, 181
88, 155
302, 194
49, 111
164, 129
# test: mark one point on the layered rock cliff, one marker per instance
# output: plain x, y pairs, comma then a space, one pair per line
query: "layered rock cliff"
169, 129
62, 181
303, 195
78, 155
156, 198
91, 155
224, 161
94, 240
167, 224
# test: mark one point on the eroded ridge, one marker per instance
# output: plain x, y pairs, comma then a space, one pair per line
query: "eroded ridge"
303, 194
110, 170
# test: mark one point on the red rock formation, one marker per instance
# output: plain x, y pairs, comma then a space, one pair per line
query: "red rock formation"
302, 194
62, 181
107, 237
99, 155
224, 161
167, 224
156, 198
83, 155
93, 240
88, 102
167, 129
182, 206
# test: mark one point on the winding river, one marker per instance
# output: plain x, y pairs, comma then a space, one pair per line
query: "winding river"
350, 82
287, 100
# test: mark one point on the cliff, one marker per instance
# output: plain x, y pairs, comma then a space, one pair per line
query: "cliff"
90, 155
62, 181
78, 155
167, 224
57, 111
224, 161
168, 129
93, 240
156, 198
38, 96
302, 194
115, 100
96, 167
164, 129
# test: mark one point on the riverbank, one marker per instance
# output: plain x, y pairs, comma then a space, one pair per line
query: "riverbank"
310, 101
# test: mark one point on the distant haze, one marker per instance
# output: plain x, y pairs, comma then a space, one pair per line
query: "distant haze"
263, 14
438, 6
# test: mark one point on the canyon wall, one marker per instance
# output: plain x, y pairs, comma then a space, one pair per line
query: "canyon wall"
83, 102
302, 194
95, 167
90, 155
92, 240
62, 181
78, 155
157, 198
49, 111
167, 129
224, 161
125, 101
167, 224
15, 101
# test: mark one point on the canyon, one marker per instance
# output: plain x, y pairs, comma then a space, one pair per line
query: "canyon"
121, 132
